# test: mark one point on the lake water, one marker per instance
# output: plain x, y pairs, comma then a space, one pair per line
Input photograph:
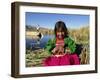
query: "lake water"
37, 44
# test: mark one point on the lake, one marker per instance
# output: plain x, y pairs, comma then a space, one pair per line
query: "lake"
35, 44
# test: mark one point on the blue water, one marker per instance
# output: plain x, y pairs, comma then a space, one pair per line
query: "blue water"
36, 44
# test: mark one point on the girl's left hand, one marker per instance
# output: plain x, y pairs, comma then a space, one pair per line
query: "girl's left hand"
67, 50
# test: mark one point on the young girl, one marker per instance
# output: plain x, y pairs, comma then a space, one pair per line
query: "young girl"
62, 48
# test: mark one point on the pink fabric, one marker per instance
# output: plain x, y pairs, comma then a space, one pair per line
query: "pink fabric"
67, 59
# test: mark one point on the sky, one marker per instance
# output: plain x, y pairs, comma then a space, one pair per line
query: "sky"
49, 19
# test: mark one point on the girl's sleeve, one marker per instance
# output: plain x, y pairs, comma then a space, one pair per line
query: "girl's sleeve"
49, 46
71, 44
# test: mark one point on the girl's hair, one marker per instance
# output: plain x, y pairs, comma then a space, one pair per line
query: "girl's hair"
60, 25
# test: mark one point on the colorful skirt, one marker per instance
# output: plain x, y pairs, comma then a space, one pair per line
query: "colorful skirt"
67, 59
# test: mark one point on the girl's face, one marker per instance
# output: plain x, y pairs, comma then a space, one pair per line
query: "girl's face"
60, 34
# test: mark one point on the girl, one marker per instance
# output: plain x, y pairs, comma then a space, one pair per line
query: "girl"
62, 48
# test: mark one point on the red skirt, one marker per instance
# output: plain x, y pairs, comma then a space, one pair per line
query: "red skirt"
67, 59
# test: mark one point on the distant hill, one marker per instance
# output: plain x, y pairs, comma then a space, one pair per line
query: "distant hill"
41, 29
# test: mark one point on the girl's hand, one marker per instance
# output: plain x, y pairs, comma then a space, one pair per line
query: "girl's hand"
61, 49
58, 50
55, 50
